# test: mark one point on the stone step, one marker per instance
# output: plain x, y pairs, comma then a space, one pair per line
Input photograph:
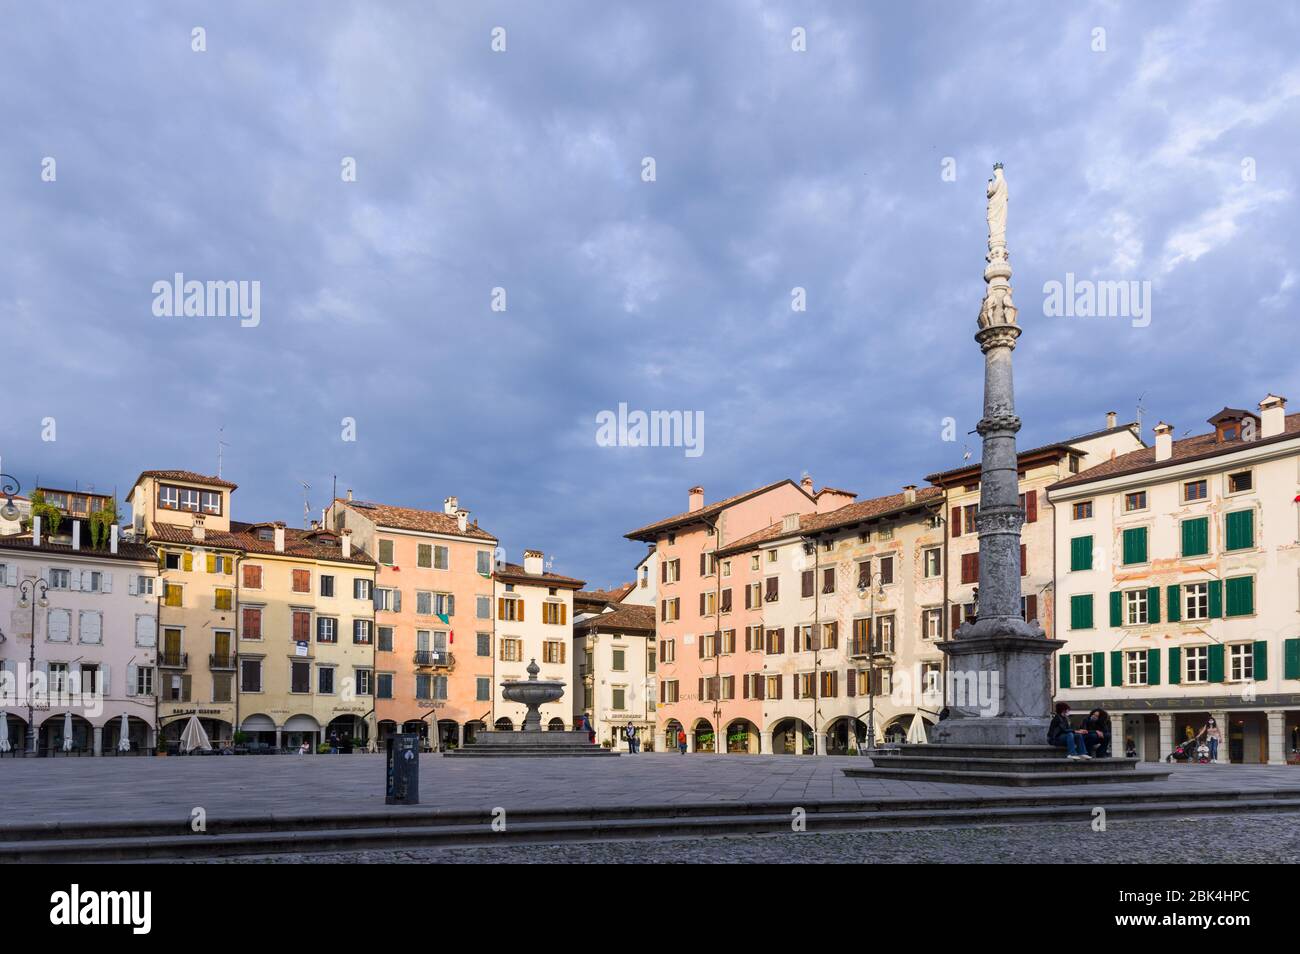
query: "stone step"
957, 763
940, 750
646, 822
1070, 773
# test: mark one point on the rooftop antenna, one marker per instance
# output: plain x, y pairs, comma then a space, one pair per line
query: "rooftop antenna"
221, 446
306, 505
1140, 409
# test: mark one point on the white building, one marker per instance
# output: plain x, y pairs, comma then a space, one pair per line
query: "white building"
614, 667
1177, 580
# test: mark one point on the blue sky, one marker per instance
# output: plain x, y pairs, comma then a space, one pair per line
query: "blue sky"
522, 170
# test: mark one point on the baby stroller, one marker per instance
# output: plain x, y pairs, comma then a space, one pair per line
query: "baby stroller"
1193, 750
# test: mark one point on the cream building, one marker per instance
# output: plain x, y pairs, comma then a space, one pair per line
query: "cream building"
1177, 572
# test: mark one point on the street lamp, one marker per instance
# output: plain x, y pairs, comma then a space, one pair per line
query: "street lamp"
9, 487
872, 587
27, 596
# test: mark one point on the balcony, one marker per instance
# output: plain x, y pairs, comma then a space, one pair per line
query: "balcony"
434, 658
226, 661
168, 660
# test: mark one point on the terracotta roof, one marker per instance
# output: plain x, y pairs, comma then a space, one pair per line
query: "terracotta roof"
1192, 448
125, 550
514, 573
303, 544
1060, 448
605, 596
841, 517
409, 518
834, 490
188, 476
691, 516
626, 617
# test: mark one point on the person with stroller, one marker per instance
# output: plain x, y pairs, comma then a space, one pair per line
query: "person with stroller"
1064, 736
1097, 727
1213, 736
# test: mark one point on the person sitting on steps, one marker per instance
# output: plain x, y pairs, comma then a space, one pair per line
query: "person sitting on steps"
1062, 735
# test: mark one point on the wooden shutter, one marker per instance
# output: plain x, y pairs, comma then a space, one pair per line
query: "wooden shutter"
212, 562
1153, 604
1173, 602
760, 685
703, 566
955, 522
1116, 608
1024, 560
1063, 663
970, 567
850, 683
663, 572
1116, 668
187, 561
701, 604
956, 618
1216, 662
807, 582
185, 687
519, 605
1153, 667
1031, 506
795, 693
864, 574
1175, 665
1099, 669
1290, 659
1216, 601
1261, 660
780, 640
1031, 607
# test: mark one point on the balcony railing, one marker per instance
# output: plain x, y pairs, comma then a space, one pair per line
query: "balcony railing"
437, 658
221, 662
168, 660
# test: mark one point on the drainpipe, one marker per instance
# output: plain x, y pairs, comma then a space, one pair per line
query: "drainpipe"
816, 635
234, 678
157, 644
947, 607
719, 739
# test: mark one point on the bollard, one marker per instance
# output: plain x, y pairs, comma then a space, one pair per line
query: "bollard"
403, 764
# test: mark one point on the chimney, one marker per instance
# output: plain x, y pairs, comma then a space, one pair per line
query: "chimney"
462, 520
345, 541
112, 539
279, 539
790, 523
696, 499
533, 561
76, 534
1164, 441
315, 525
197, 532
450, 505
807, 484
1272, 416
36, 530
909, 493
349, 495
1111, 419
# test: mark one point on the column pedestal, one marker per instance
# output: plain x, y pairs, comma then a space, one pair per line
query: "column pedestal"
998, 685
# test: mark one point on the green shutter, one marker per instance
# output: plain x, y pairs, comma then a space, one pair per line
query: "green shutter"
1116, 668
1174, 602
1196, 536
1175, 665
1065, 671
1153, 604
1216, 663
1098, 669
1240, 530
1081, 553
1241, 596
1116, 608
1291, 658
1216, 599
1261, 660
1135, 545
1153, 667
1081, 611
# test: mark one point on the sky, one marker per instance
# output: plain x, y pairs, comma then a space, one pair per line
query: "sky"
838, 149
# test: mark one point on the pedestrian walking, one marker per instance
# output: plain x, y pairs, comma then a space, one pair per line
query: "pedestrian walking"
1213, 736
681, 741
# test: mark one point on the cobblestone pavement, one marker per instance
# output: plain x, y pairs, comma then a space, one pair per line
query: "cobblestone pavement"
1237, 839
82, 789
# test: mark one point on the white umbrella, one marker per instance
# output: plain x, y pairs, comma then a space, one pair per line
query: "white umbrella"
67, 731
194, 737
124, 736
4, 732
916, 731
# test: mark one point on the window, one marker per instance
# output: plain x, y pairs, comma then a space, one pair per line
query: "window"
423, 686
299, 676
251, 622
753, 562
363, 679
933, 562
753, 595
144, 680
363, 590
1239, 530
1081, 611
301, 625
1241, 482
1196, 601
969, 513
190, 499
932, 624
146, 631
58, 626
386, 552
553, 651
172, 561
483, 644
1196, 536
1081, 670
618, 698
1082, 510
325, 680
223, 598
1239, 596
250, 675
708, 564
884, 641
708, 646
886, 570
326, 585
169, 497
211, 501
385, 599
726, 568
555, 613
483, 562
60, 579
302, 581
669, 691
668, 651
1135, 546
670, 610
327, 629
252, 576
1196, 665
90, 628
829, 684
651, 656
1241, 662
830, 635
1135, 608
363, 632
385, 639
144, 585
1195, 490
424, 555
1135, 667
1081, 553
423, 603
772, 588
1137, 500
619, 660
384, 685
483, 689
510, 609
512, 650
440, 562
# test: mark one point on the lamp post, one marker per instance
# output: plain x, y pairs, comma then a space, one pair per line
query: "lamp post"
9, 486
870, 588
28, 590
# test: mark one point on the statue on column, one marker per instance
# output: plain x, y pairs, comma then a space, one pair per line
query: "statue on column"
997, 210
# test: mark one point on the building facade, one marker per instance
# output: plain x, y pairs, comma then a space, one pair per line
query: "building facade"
1178, 577
615, 658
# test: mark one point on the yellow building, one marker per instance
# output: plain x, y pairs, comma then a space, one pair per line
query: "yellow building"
185, 519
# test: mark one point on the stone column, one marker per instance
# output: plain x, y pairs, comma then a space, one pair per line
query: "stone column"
460, 735
279, 742
1166, 735
1222, 719
764, 743
1276, 737
661, 740
99, 739
819, 742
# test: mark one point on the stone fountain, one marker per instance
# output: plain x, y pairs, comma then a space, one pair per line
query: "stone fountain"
532, 741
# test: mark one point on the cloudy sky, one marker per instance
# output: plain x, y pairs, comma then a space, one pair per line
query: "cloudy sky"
1161, 149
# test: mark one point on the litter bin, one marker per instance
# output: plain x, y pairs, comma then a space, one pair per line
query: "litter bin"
403, 769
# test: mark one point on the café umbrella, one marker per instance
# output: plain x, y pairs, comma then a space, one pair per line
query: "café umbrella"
916, 731
67, 731
194, 737
124, 735
4, 732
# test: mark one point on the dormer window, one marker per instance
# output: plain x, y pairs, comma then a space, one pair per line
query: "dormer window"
266, 534
1234, 424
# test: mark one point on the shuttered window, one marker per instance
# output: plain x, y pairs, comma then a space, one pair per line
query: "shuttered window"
1081, 611
1240, 530
1240, 592
1081, 553
1135, 545
1196, 536
970, 567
